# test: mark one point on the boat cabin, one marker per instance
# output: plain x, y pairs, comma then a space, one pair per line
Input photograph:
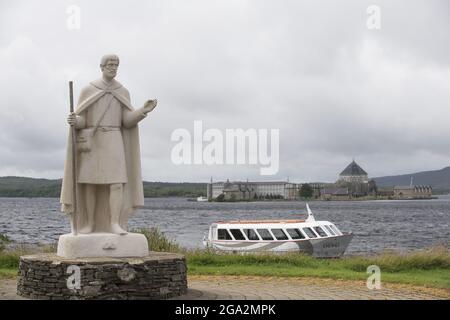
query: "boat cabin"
272, 230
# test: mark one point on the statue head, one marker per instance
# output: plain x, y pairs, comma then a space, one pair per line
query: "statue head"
109, 65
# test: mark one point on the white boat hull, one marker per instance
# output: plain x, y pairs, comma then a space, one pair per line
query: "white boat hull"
317, 238
329, 247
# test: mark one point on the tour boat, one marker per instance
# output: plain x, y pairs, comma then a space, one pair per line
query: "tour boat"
202, 199
317, 238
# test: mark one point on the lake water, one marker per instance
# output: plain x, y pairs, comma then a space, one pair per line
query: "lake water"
377, 225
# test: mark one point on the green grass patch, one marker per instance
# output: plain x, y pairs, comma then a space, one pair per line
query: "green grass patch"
8, 273
434, 258
9, 258
438, 278
4, 240
9, 264
157, 241
425, 267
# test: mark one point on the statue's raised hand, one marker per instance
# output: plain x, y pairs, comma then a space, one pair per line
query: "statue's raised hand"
149, 105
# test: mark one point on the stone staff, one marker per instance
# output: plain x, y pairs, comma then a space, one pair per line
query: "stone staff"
73, 216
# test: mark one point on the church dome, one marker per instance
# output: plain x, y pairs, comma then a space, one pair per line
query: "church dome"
353, 169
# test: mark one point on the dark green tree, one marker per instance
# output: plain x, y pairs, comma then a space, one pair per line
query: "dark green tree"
306, 191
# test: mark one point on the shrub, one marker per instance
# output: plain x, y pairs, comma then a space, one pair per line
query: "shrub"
9, 260
157, 241
4, 240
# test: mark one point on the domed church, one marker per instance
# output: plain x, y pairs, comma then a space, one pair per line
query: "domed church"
356, 180
354, 173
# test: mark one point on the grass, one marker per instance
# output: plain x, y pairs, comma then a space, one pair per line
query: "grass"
8, 273
429, 267
4, 240
425, 268
9, 264
157, 241
9, 258
438, 278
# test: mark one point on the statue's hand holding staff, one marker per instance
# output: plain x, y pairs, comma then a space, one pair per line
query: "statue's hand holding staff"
72, 119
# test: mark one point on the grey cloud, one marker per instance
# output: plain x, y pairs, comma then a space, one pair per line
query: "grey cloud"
335, 89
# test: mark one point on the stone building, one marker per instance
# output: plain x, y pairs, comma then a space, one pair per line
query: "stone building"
353, 173
385, 192
334, 194
357, 181
240, 190
318, 187
353, 182
413, 192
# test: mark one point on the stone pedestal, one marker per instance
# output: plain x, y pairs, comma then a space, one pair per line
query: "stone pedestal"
102, 245
159, 275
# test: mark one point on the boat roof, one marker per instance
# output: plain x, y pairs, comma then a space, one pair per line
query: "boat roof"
258, 221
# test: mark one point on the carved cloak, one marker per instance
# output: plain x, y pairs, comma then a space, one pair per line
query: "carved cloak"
133, 194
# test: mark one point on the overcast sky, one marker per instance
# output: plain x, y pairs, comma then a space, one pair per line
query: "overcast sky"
335, 89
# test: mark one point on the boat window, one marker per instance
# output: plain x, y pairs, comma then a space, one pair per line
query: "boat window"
237, 234
223, 234
330, 230
295, 234
320, 231
251, 234
265, 234
279, 234
338, 232
309, 232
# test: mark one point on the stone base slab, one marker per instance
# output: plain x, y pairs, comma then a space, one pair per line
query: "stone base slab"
159, 275
102, 245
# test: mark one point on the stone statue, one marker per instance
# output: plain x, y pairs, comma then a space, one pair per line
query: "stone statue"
108, 170
102, 187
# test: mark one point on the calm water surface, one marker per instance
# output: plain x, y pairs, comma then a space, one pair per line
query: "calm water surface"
377, 225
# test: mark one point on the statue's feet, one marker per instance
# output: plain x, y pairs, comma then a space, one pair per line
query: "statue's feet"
87, 229
115, 228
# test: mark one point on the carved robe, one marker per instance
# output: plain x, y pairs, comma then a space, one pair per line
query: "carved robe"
114, 157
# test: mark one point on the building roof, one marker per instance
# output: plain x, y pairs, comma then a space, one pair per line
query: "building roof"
403, 187
353, 169
411, 187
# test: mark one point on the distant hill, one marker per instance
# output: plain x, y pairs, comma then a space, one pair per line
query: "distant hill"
174, 189
438, 179
31, 187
